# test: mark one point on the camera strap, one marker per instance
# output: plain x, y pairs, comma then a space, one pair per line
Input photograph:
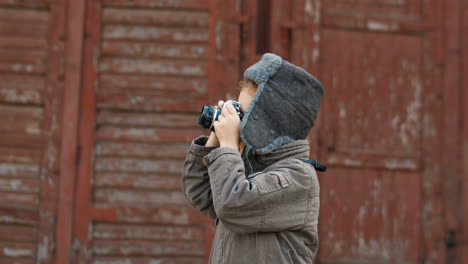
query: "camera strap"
317, 166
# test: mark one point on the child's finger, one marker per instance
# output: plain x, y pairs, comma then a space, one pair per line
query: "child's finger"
231, 109
220, 103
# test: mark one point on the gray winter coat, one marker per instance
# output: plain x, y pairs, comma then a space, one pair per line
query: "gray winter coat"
267, 217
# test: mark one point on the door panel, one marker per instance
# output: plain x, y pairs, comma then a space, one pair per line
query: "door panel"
148, 70
378, 132
30, 105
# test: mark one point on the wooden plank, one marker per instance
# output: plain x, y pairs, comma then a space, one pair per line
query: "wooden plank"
19, 184
155, 17
141, 214
82, 220
18, 169
36, 57
142, 150
134, 197
19, 216
151, 49
150, 101
121, 83
147, 248
155, 135
9, 260
9, 42
25, 15
19, 155
191, 4
13, 67
21, 112
152, 66
138, 165
172, 120
14, 233
170, 34
31, 30
20, 95
70, 128
19, 200
24, 141
137, 232
150, 181
37, 4
11, 81
148, 260
15, 122
17, 249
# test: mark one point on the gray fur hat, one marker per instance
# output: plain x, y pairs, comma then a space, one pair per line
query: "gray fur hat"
285, 106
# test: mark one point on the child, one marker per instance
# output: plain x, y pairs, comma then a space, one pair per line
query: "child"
249, 175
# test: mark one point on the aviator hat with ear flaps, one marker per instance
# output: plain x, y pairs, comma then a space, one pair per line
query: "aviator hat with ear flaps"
285, 106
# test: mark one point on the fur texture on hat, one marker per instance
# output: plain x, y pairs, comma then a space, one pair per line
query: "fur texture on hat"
285, 106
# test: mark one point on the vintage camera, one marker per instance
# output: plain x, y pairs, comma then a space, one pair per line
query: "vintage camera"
209, 114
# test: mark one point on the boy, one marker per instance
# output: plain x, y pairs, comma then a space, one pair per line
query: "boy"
249, 176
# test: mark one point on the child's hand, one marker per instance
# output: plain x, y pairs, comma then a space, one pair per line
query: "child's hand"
228, 127
213, 140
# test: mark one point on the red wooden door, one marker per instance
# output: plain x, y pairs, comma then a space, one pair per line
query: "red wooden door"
380, 130
31, 48
149, 67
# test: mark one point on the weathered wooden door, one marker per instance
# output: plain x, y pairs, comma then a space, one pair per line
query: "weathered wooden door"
31, 82
148, 69
380, 131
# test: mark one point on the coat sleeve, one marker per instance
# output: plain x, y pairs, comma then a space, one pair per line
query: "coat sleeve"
285, 196
195, 180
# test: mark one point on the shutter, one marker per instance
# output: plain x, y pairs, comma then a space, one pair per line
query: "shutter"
148, 71
30, 94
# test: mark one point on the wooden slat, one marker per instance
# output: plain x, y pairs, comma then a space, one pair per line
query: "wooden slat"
33, 15
140, 214
143, 150
147, 248
13, 67
29, 185
20, 95
35, 57
21, 112
30, 30
22, 141
9, 42
155, 135
21, 120
19, 200
138, 197
15, 233
193, 35
118, 82
148, 260
193, 4
9, 260
173, 120
155, 17
136, 180
18, 169
17, 249
19, 216
152, 66
151, 49
138, 165
11, 81
106, 231
19, 155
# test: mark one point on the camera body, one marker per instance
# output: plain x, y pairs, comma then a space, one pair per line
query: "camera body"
209, 114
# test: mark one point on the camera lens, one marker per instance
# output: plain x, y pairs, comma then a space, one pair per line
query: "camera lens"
208, 114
